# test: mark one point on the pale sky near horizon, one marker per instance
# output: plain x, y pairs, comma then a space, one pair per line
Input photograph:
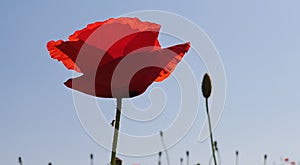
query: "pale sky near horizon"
258, 42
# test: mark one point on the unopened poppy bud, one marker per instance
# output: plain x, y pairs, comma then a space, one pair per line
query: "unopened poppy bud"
159, 154
181, 160
265, 156
187, 153
91, 156
236, 152
50, 163
206, 86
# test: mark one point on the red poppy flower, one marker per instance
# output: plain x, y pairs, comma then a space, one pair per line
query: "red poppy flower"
119, 57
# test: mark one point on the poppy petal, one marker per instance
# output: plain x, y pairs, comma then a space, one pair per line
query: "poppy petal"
84, 33
86, 84
56, 53
180, 51
132, 65
119, 36
89, 59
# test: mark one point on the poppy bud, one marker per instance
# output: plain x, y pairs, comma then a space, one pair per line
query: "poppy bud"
206, 86
181, 160
265, 156
187, 153
91, 156
236, 153
161, 133
50, 163
159, 154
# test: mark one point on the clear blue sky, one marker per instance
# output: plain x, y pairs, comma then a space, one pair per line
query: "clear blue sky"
258, 42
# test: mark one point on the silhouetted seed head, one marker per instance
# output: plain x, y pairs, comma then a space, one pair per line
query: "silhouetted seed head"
159, 154
187, 153
161, 133
181, 159
91, 156
236, 153
265, 156
50, 164
206, 86
20, 160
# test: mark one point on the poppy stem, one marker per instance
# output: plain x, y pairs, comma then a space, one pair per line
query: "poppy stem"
187, 157
164, 146
210, 131
265, 159
159, 158
92, 158
236, 157
116, 132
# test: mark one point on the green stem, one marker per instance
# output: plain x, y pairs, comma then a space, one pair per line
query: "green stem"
210, 131
116, 132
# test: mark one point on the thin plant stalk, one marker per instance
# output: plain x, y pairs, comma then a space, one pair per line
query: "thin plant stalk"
265, 159
210, 131
236, 157
164, 146
187, 157
159, 158
116, 132
92, 158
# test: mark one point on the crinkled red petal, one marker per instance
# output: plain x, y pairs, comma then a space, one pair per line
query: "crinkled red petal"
59, 55
180, 50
